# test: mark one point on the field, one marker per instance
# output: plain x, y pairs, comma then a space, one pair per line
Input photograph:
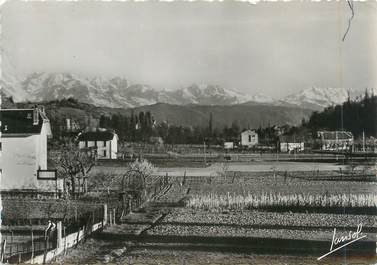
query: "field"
283, 213
298, 205
242, 202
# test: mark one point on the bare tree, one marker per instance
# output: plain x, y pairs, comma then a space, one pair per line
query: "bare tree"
104, 180
72, 163
135, 183
136, 175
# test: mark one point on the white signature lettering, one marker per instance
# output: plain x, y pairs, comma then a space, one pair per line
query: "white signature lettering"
350, 238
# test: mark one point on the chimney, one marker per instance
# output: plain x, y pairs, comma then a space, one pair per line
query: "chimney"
35, 115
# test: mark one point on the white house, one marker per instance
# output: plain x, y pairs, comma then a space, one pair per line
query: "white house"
249, 138
228, 145
23, 160
105, 142
290, 144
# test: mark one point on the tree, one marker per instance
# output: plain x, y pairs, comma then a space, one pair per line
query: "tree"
104, 180
136, 175
210, 124
135, 182
73, 164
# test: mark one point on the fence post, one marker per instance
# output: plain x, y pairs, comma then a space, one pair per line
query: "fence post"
76, 217
114, 211
32, 247
11, 243
3, 246
110, 223
104, 214
59, 234
65, 240
45, 250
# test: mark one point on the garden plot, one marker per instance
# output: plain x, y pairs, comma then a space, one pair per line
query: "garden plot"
264, 204
216, 231
254, 218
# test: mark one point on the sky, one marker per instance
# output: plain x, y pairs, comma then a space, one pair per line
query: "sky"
273, 48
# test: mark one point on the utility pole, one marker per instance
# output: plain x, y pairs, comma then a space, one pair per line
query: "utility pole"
205, 158
341, 116
337, 144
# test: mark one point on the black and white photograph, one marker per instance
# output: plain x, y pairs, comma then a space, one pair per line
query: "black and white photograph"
188, 132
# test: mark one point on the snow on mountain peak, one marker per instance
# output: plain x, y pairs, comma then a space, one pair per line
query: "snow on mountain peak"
317, 98
120, 92
114, 92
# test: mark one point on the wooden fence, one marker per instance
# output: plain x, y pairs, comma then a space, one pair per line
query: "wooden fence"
36, 246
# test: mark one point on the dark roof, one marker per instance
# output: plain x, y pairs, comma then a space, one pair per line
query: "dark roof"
96, 136
249, 131
19, 121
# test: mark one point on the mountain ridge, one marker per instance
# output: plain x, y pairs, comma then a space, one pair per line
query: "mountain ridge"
119, 92
190, 115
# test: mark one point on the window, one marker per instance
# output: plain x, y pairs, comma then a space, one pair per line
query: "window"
46, 174
104, 153
249, 138
104, 143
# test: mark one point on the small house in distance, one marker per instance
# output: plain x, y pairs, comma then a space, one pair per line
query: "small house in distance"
228, 145
104, 141
23, 161
249, 138
288, 144
335, 140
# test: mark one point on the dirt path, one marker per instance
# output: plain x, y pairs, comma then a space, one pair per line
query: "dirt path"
250, 167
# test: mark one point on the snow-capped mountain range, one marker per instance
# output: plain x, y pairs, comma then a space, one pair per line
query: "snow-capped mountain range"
120, 92
114, 92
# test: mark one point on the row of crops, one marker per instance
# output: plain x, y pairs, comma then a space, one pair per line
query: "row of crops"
252, 201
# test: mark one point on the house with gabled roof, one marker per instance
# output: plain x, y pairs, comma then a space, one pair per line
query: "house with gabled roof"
23, 160
105, 143
249, 138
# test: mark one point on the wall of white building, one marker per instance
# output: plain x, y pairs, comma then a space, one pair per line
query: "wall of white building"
288, 147
245, 141
20, 160
114, 147
105, 149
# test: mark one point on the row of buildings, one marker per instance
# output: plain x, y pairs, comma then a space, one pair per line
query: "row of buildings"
328, 141
24, 158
